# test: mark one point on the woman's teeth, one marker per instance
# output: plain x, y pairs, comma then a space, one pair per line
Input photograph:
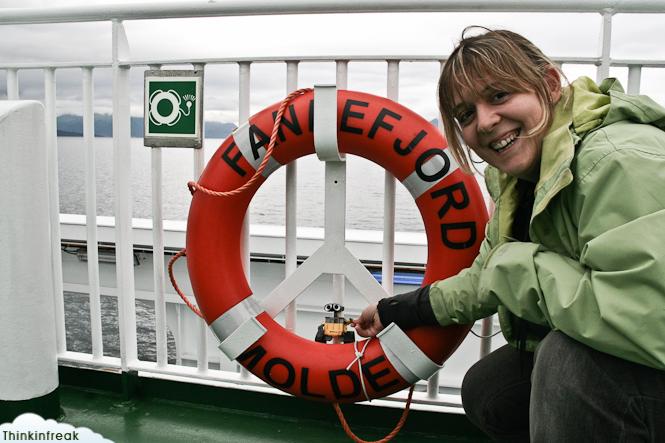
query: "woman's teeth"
503, 144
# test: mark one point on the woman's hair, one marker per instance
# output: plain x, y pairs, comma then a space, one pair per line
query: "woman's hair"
513, 64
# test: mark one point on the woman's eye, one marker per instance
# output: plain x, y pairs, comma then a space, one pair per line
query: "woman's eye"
499, 95
465, 117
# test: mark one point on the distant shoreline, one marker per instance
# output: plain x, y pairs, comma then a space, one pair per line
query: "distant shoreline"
71, 125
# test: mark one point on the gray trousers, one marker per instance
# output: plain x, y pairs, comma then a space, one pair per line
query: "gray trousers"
565, 392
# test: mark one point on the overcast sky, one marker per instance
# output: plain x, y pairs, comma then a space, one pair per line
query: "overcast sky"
634, 37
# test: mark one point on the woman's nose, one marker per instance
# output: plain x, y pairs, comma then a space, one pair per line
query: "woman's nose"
487, 118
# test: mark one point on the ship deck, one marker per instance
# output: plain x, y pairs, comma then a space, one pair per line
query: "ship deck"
137, 409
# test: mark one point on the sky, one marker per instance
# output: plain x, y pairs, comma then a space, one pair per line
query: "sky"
635, 36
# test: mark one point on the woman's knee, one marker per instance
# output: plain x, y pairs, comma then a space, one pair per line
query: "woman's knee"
495, 394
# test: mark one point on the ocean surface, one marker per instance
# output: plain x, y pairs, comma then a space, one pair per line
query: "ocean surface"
365, 182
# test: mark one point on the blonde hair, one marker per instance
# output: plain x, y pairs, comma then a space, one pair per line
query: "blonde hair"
513, 64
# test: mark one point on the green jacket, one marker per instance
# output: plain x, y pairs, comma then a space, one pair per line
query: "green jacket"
595, 269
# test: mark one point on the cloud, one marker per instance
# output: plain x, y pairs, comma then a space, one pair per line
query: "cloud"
36, 427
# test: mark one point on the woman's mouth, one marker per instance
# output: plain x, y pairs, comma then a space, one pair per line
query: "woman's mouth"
503, 144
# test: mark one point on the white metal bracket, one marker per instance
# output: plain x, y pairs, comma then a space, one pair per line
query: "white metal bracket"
333, 257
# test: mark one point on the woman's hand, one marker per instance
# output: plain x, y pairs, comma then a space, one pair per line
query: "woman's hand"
368, 324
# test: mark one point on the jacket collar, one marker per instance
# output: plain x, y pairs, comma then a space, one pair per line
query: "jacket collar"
581, 109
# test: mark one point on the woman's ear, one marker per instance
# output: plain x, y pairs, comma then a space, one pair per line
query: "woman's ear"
553, 81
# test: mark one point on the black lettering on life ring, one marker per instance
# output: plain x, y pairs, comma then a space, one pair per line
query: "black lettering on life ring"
347, 113
449, 202
233, 161
292, 124
290, 372
256, 354
310, 119
257, 140
397, 145
304, 383
446, 228
334, 383
426, 156
373, 377
381, 123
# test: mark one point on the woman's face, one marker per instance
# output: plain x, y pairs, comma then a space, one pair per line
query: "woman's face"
496, 126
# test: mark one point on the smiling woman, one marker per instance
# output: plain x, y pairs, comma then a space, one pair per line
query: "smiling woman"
572, 260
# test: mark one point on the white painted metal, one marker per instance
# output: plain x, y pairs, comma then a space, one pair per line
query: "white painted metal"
605, 45
159, 274
54, 204
183, 9
291, 207
122, 160
342, 74
27, 322
647, 63
387, 268
91, 215
433, 386
486, 336
202, 356
634, 79
244, 72
158, 254
12, 84
244, 86
325, 124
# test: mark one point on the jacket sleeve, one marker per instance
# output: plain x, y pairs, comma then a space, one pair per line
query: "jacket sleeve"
613, 297
456, 300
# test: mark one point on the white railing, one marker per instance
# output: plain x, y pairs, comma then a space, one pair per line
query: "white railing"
125, 229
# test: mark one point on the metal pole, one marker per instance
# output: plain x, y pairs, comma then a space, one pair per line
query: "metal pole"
54, 205
291, 207
244, 69
387, 269
605, 45
199, 165
634, 79
486, 336
335, 205
12, 84
122, 160
91, 216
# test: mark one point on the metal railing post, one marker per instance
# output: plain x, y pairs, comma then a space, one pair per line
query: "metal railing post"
122, 160
12, 84
634, 79
244, 74
91, 215
54, 205
605, 45
387, 269
291, 203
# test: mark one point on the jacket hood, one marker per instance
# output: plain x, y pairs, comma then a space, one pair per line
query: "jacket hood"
635, 108
584, 107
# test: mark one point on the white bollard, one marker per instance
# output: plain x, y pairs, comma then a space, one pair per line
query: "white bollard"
28, 366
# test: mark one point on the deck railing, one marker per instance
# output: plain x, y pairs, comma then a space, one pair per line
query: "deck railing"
124, 229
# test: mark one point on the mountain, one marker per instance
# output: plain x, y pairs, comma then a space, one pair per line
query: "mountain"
70, 125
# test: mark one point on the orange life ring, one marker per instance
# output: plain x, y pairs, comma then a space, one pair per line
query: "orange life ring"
379, 130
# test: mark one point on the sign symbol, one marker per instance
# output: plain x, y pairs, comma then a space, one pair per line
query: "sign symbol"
172, 98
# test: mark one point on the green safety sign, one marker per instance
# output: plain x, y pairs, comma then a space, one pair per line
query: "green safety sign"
173, 108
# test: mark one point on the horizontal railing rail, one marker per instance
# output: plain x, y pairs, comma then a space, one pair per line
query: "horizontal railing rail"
142, 11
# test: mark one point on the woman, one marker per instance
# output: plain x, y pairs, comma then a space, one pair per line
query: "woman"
574, 255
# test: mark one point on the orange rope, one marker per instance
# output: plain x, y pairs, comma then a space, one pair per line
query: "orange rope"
175, 285
193, 186
387, 438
